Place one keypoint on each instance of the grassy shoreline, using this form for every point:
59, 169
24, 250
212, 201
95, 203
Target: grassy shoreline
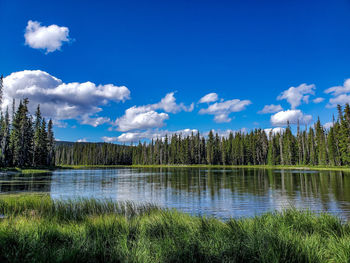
39, 229
82, 167
27, 170
287, 167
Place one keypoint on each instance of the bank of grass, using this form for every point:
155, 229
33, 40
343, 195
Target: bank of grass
38, 229
286, 167
27, 170
82, 167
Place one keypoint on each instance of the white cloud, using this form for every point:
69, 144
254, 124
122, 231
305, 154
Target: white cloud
295, 95
221, 110
109, 139
86, 119
146, 117
276, 130
282, 117
328, 125
49, 38
340, 94
60, 101
318, 100
211, 97
153, 134
60, 124
337, 90
270, 109
168, 104
82, 140
222, 118
340, 99
136, 118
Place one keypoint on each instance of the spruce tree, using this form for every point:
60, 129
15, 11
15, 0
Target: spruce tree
37, 143
5, 140
50, 145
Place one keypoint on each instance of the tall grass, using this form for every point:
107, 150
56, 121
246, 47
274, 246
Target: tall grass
79, 209
38, 229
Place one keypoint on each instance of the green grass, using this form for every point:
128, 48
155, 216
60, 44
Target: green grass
81, 167
38, 229
287, 167
27, 170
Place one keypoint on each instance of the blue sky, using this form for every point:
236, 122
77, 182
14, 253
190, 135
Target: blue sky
250, 53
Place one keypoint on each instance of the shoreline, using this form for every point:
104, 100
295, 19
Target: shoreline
83, 167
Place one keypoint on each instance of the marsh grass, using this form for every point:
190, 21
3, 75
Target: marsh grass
38, 229
78, 209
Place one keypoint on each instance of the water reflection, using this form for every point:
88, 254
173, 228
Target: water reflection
17, 183
215, 192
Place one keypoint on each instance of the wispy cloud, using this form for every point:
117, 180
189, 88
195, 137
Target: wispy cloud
341, 94
270, 109
211, 97
222, 110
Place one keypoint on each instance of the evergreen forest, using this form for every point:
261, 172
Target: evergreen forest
313, 145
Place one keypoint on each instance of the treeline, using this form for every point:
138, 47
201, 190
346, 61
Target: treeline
93, 154
313, 146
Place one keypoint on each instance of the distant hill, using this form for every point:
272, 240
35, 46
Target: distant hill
92, 153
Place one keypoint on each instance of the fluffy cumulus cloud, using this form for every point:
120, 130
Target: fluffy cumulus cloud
270, 109
147, 116
82, 140
296, 95
152, 134
291, 116
168, 104
49, 38
318, 100
222, 110
211, 97
59, 100
341, 94
138, 119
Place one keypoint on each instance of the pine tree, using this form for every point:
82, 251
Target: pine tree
37, 151
320, 144
312, 148
21, 136
5, 140
210, 148
50, 145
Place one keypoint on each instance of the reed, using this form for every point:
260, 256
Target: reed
38, 229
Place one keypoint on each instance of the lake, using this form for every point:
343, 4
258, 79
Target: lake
222, 193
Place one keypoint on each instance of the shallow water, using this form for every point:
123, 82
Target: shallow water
222, 193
